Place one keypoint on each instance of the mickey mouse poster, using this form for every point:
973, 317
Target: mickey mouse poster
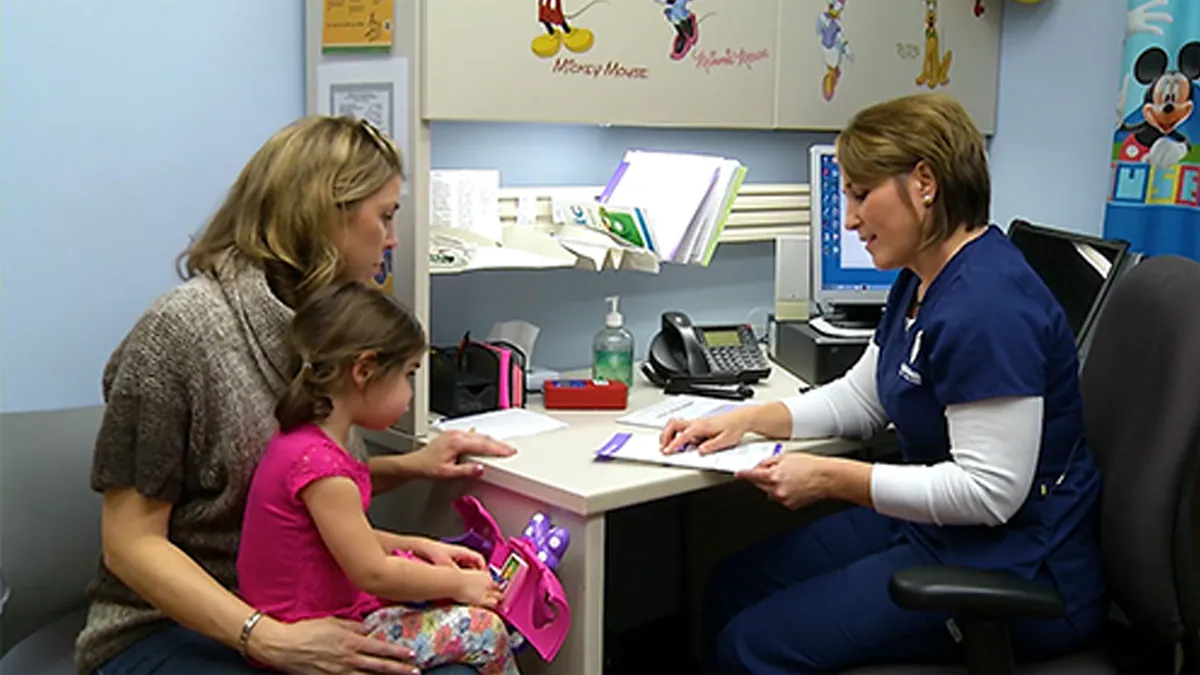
1168, 102
1154, 128
1154, 188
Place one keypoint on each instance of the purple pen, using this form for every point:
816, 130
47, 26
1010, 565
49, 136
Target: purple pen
777, 450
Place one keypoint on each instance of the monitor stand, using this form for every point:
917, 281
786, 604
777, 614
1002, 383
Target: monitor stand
854, 317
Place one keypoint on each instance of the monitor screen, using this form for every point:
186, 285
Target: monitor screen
842, 269
1077, 269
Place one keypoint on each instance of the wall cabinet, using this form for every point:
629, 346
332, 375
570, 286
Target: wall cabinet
751, 64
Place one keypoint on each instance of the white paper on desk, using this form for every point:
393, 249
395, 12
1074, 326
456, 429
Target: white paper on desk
683, 406
643, 447
503, 424
466, 199
370, 87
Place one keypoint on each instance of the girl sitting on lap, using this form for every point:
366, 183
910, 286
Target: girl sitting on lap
307, 549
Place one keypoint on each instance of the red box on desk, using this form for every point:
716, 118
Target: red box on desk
585, 394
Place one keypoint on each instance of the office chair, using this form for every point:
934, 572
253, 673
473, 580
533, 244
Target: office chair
1141, 398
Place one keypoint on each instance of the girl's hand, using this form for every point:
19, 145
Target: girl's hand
711, 434
479, 589
793, 479
440, 458
326, 646
440, 553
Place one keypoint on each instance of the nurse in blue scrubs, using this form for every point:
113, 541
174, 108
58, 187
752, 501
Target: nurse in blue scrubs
975, 365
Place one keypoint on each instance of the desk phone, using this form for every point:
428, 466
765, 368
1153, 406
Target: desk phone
712, 353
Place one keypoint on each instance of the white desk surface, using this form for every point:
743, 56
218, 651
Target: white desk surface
559, 468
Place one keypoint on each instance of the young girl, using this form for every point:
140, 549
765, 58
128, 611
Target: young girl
307, 549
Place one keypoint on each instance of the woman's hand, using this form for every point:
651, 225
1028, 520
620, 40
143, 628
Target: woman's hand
440, 458
711, 434
450, 555
325, 647
794, 479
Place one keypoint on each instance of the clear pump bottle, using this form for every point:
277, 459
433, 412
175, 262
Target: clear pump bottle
612, 348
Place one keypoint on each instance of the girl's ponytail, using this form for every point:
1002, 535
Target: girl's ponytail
302, 403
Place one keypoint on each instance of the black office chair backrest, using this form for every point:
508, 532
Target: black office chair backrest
1141, 398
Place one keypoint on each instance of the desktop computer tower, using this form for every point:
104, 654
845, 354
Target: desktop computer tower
813, 356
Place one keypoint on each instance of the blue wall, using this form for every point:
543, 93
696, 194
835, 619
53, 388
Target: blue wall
123, 124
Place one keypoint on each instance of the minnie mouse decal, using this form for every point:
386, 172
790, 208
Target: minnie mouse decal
1168, 102
687, 29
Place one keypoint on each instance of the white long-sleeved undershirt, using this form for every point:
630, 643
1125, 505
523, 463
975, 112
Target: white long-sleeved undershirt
994, 446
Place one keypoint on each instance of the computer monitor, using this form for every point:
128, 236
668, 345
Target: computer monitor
842, 271
1078, 269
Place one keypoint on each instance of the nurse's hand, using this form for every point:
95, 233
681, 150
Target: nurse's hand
710, 434
792, 479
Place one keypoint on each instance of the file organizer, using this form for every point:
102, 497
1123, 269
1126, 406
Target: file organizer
476, 377
686, 200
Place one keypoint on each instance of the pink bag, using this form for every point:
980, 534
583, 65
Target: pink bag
534, 602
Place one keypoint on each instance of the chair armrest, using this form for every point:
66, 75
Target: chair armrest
973, 591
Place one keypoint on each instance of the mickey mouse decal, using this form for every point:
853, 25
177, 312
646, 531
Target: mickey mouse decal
560, 33
1169, 102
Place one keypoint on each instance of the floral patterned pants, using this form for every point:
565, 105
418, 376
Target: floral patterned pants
441, 634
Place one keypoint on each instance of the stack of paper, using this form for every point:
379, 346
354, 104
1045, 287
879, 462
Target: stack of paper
503, 424
641, 447
676, 203
458, 250
466, 200
682, 406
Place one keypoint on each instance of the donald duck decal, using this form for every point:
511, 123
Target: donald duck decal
834, 47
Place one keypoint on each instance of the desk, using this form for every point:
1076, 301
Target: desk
555, 473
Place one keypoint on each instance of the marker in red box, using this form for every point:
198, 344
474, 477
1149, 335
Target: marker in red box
585, 394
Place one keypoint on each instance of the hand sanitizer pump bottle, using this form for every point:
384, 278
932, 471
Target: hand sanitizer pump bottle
612, 349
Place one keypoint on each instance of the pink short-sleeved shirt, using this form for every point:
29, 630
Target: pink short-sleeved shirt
284, 568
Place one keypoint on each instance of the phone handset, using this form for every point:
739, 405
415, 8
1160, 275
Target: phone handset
680, 325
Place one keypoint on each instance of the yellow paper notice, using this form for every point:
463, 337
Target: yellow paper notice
357, 25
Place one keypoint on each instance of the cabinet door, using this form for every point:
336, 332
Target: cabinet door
837, 56
699, 63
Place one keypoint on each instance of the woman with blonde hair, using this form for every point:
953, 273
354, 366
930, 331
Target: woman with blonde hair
190, 394
975, 365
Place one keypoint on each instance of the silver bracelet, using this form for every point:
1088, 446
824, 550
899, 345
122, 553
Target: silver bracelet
247, 628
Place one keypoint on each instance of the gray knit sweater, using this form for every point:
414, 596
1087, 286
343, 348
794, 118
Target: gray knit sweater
190, 394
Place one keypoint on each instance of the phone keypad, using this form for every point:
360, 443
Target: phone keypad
741, 357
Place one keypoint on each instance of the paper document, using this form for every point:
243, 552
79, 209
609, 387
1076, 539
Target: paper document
683, 406
466, 200
456, 250
503, 424
520, 334
685, 199
822, 325
373, 89
644, 447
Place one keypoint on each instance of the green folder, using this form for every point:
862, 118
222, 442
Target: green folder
734, 188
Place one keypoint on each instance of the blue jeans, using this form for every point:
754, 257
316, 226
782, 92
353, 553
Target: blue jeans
176, 650
815, 600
